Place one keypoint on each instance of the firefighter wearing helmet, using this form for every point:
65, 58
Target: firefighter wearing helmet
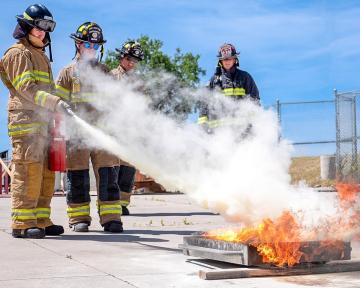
26, 71
129, 55
231, 81
74, 87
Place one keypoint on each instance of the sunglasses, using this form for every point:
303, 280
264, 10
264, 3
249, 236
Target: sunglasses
89, 45
45, 25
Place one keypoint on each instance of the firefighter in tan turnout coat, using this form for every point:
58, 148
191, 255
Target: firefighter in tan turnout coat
129, 55
73, 87
26, 71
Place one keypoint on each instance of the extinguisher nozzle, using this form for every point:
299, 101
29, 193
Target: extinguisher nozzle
65, 108
70, 112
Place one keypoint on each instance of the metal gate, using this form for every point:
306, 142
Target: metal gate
347, 166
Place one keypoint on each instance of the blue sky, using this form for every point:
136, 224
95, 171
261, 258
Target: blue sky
295, 50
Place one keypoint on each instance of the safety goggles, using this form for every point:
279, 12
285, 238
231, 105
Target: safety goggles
45, 25
89, 45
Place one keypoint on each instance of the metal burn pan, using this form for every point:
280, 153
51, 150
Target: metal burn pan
198, 245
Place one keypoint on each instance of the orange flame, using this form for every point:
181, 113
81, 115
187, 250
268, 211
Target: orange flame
278, 241
347, 192
349, 195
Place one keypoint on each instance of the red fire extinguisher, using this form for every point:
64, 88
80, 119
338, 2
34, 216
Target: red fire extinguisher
57, 149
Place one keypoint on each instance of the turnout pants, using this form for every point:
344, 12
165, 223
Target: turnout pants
78, 196
32, 185
126, 182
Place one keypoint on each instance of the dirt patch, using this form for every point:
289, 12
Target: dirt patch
307, 169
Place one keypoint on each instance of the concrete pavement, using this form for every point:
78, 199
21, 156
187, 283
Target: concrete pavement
145, 255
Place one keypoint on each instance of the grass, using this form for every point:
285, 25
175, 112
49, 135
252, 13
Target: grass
307, 169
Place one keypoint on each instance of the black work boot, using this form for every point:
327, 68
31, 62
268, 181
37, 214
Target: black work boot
80, 227
113, 227
125, 211
54, 230
34, 233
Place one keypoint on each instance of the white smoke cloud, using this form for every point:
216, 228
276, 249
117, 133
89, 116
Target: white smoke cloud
244, 180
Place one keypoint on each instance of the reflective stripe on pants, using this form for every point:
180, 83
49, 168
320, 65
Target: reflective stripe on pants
78, 211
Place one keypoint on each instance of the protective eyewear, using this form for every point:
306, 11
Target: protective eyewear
45, 25
89, 45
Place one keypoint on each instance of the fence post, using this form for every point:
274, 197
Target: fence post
354, 142
337, 125
278, 111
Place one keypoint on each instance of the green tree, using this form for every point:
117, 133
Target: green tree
167, 93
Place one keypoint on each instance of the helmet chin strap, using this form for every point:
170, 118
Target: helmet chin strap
101, 52
49, 44
77, 51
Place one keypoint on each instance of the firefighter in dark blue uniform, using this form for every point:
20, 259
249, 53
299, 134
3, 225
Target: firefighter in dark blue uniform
232, 82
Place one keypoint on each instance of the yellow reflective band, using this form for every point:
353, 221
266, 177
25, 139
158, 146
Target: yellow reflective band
62, 92
223, 122
23, 214
82, 27
41, 73
23, 81
42, 76
27, 76
105, 209
42, 212
78, 211
103, 206
107, 212
21, 129
76, 214
27, 16
22, 78
202, 120
81, 101
234, 92
215, 123
124, 203
83, 97
40, 97
239, 92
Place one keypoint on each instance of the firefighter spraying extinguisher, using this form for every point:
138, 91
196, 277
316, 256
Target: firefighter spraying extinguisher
26, 72
57, 149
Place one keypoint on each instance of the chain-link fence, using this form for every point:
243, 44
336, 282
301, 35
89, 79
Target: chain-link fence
346, 136
329, 125
314, 119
